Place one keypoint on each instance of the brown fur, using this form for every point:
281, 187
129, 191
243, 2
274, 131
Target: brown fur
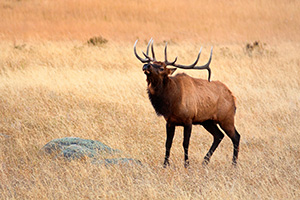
195, 100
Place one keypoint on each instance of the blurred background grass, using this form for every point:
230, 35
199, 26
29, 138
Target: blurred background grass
191, 20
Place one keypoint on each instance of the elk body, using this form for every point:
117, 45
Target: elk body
184, 101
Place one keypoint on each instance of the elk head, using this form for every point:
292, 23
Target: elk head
157, 71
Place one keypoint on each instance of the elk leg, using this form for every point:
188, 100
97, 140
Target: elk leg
235, 138
211, 127
186, 140
170, 136
236, 142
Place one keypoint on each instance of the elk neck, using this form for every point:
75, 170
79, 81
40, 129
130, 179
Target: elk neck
160, 93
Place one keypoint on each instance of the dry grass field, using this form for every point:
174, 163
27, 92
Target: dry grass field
53, 84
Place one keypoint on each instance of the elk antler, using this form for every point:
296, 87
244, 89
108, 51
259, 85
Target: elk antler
148, 58
192, 66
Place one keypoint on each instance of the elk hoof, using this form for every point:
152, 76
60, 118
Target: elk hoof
166, 163
234, 163
205, 162
234, 159
186, 164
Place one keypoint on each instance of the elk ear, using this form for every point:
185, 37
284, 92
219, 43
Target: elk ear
171, 71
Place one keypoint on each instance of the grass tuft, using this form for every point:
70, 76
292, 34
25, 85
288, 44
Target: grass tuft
97, 41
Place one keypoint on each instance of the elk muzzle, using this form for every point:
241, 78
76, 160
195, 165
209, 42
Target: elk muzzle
146, 68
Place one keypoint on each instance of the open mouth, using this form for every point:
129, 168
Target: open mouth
147, 72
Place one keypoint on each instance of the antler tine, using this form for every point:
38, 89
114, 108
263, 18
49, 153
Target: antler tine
148, 57
152, 49
166, 59
206, 66
138, 57
147, 52
192, 66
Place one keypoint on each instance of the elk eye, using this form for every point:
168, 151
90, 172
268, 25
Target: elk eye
161, 69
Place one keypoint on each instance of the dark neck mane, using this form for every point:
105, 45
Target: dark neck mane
160, 99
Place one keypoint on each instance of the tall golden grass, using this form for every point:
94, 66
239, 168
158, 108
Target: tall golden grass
52, 85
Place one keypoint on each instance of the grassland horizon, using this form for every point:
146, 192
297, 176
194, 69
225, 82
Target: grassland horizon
54, 84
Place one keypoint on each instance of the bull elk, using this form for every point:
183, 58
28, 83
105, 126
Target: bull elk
183, 101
